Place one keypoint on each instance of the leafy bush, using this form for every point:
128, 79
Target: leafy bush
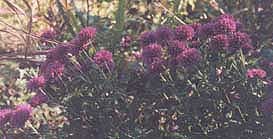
208, 79
190, 81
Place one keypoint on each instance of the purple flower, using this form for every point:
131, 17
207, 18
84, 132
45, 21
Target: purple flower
196, 26
125, 41
104, 60
38, 99
176, 47
184, 32
225, 24
156, 66
219, 43
84, 36
36, 83
151, 51
195, 44
5, 115
20, 115
47, 35
146, 38
256, 73
52, 69
240, 38
59, 52
164, 35
189, 57
206, 30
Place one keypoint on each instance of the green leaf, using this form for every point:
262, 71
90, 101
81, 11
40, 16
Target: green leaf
120, 15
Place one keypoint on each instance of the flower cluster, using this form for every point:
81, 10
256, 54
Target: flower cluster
169, 47
59, 52
164, 34
176, 47
146, 38
36, 83
225, 24
17, 116
206, 30
189, 57
5, 115
20, 115
157, 65
150, 52
240, 40
52, 69
224, 33
184, 32
84, 36
104, 60
161, 35
219, 43
161, 49
256, 73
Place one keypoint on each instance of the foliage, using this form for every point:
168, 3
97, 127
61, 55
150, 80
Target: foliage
211, 99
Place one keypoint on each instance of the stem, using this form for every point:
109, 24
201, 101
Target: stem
167, 10
241, 114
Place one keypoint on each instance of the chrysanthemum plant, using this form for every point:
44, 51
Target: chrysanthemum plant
190, 81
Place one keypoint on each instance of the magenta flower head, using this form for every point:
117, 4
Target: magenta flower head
52, 69
184, 32
48, 35
36, 83
239, 38
20, 115
225, 24
195, 43
176, 47
164, 34
38, 99
59, 52
206, 30
146, 38
219, 43
156, 66
104, 60
256, 73
196, 26
189, 57
5, 115
84, 36
151, 51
